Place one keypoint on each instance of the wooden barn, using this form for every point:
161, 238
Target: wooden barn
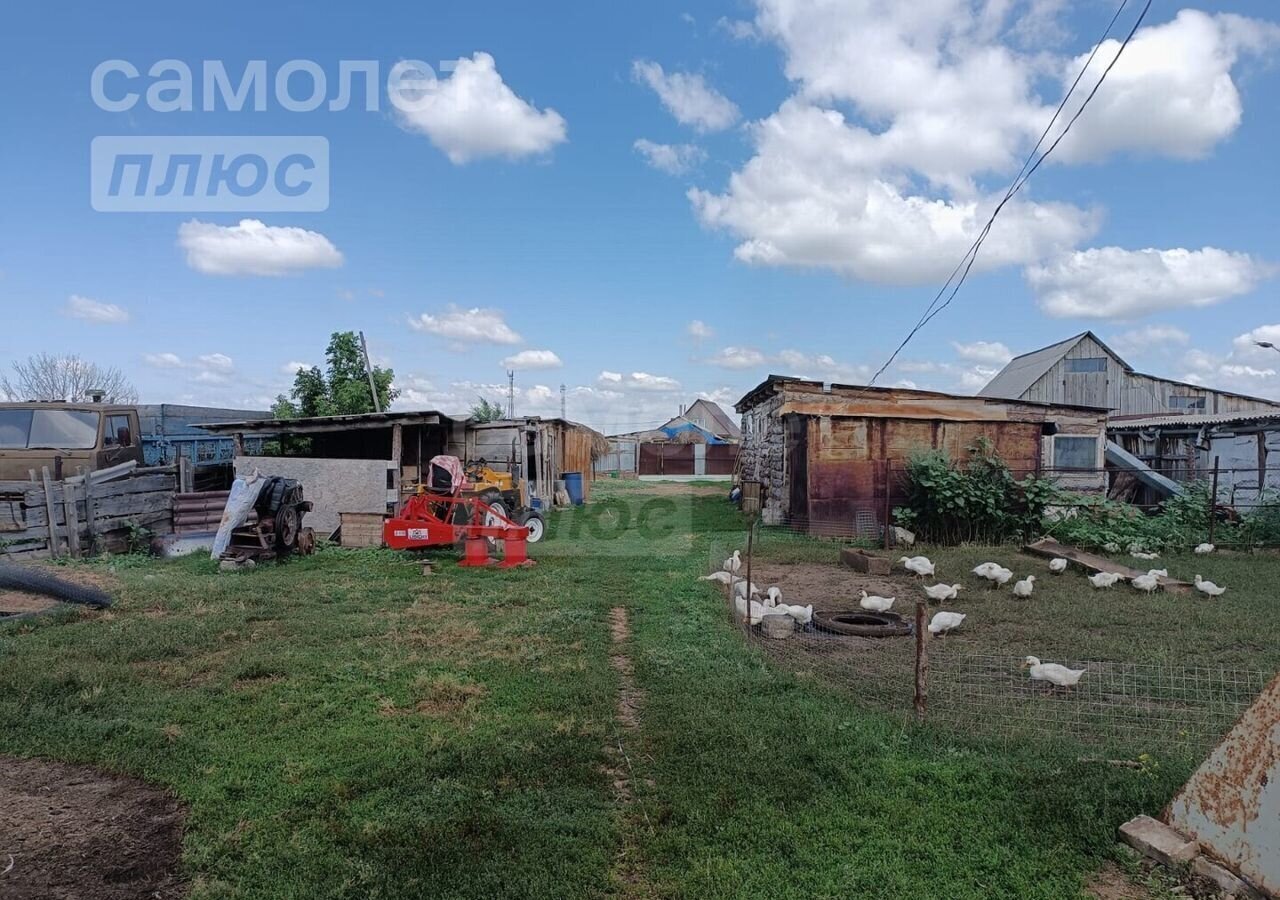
824, 456
1083, 370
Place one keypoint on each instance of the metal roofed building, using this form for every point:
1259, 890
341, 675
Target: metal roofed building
1083, 370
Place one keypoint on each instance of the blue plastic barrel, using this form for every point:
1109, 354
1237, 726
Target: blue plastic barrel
573, 486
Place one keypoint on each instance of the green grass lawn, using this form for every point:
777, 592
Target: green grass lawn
341, 726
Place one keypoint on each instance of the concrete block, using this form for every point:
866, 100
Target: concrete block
1158, 841
862, 561
1226, 882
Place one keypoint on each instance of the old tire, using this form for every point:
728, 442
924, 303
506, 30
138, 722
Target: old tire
21, 578
862, 623
532, 520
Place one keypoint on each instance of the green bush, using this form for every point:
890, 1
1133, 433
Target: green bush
979, 501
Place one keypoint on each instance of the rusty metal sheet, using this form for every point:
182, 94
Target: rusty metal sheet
1231, 804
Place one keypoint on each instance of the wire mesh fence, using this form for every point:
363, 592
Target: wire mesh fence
1129, 709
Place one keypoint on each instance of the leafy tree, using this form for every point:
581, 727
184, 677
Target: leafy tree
488, 410
342, 389
48, 377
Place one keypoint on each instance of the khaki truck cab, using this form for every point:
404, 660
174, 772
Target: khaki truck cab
65, 437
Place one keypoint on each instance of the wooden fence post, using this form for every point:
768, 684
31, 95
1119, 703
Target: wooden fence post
1213, 500
51, 511
888, 504
73, 521
921, 700
90, 522
751, 539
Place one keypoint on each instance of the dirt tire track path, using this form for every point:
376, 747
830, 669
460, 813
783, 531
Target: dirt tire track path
627, 874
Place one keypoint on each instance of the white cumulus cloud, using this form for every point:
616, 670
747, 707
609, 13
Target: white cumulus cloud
674, 159
1171, 93
737, 358
905, 118
253, 248
688, 97
163, 360
1114, 283
699, 330
96, 311
292, 366
989, 352
467, 326
473, 114
533, 359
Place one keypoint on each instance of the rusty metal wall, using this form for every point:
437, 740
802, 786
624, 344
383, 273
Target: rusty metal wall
852, 462
1231, 805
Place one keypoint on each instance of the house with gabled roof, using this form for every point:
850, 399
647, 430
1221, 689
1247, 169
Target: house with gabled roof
1084, 371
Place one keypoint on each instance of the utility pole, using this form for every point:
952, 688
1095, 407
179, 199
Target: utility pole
562, 415
511, 393
368, 370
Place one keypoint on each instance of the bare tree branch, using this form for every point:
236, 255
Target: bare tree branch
48, 377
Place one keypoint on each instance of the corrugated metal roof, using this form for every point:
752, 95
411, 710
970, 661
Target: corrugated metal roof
1014, 379
353, 422
1192, 421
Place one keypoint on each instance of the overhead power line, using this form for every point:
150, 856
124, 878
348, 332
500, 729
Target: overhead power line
1024, 174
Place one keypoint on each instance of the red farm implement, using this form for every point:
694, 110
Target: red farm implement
443, 520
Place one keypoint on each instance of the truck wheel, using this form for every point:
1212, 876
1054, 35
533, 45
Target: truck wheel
533, 521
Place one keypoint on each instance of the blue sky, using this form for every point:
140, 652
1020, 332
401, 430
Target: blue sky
816, 170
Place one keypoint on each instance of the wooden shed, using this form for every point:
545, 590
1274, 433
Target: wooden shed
825, 456
542, 450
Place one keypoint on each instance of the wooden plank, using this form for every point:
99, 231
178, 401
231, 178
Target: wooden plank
48, 508
100, 475
1090, 562
90, 516
73, 523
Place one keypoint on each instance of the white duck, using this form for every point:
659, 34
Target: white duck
1209, 588
1111, 547
1140, 554
943, 591
903, 537
773, 597
757, 610
1057, 565
734, 563
1104, 579
1052, 672
1024, 587
1001, 577
1205, 548
1147, 583
985, 570
802, 614
1161, 573
741, 588
943, 622
718, 577
918, 564
876, 604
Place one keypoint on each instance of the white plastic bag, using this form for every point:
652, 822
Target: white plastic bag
244, 494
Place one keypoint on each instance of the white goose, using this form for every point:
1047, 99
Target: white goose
1024, 587
1205, 548
1161, 573
1052, 672
1057, 565
943, 622
876, 604
1209, 588
773, 597
920, 565
734, 563
986, 569
1147, 583
740, 588
719, 577
1000, 577
942, 592
1105, 579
